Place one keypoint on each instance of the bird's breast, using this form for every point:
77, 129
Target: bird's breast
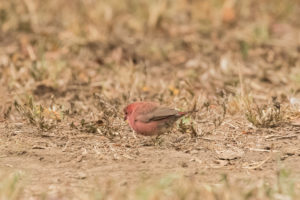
145, 128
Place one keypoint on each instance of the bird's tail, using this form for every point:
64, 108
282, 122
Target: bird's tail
187, 112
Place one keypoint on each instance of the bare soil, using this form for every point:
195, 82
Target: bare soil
63, 165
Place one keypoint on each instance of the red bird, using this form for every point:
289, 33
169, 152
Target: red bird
149, 118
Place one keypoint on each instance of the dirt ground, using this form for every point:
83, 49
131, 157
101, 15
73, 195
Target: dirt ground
63, 165
66, 77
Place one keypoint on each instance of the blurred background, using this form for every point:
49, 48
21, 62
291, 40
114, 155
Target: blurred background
138, 48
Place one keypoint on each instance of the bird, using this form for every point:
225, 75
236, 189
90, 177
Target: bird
150, 118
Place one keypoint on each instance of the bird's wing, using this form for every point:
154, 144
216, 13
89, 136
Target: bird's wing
159, 113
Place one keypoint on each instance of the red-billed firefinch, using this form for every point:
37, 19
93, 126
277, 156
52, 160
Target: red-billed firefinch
149, 118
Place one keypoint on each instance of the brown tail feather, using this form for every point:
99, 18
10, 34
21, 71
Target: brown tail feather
188, 112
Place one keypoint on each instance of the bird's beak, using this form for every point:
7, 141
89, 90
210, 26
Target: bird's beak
125, 117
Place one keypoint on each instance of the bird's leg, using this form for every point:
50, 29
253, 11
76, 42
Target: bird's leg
133, 134
157, 140
148, 142
153, 141
157, 137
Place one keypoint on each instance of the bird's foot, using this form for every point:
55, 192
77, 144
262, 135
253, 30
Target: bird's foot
158, 140
134, 135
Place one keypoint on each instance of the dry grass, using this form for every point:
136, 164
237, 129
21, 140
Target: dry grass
174, 187
10, 186
267, 116
67, 69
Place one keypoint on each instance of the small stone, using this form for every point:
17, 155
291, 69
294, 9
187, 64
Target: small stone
290, 151
81, 175
124, 183
184, 165
79, 158
229, 154
38, 147
194, 152
284, 157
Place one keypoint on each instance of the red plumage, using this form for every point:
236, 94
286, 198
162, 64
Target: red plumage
149, 118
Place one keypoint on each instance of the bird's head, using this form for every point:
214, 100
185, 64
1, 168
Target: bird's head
128, 110
138, 106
